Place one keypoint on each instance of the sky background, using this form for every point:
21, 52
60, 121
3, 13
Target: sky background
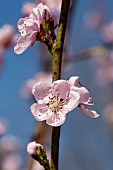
85, 143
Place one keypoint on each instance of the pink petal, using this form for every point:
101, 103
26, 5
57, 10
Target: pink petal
83, 92
31, 147
89, 112
40, 114
58, 82
27, 39
62, 87
24, 42
19, 50
20, 22
40, 90
73, 101
73, 81
36, 14
42, 8
30, 22
56, 119
32, 26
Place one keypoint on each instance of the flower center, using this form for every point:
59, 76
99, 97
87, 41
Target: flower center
55, 106
22, 30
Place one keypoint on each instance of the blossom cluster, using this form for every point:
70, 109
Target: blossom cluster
55, 100
38, 26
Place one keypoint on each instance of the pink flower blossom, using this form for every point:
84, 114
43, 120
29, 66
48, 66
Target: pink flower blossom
31, 27
53, 102
57, 99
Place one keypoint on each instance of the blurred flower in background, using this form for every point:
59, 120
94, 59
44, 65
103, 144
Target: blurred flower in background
10, 147
7, 37
55, 6
104, 69
7, 40
12, 162
27, 8
92, 19
108, 114
107, 32
3, 126
26, 90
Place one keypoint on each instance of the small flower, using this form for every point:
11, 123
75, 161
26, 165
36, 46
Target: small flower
39, 26
53, 102
37, 151
31, 149
56, 100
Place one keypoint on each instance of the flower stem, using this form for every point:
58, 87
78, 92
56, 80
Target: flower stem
56, 74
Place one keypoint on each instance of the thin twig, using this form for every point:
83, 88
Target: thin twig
96, 51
